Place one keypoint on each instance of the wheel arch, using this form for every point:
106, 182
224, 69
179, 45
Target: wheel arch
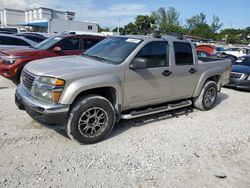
203, 80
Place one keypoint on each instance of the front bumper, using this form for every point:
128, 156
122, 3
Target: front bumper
8, 71
52, 115
239, 84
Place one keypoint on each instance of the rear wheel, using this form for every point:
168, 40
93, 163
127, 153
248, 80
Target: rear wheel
207, 97
91, 119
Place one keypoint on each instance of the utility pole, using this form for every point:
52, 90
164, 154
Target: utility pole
118, 30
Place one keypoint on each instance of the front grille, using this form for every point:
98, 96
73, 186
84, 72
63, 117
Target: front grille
236, 75
27, 79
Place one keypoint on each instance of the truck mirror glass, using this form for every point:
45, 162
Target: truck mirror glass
139, 63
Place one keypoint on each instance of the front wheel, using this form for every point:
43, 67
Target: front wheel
91, 119
207, 98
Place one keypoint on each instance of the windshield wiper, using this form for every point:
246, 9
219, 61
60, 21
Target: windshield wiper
98, 58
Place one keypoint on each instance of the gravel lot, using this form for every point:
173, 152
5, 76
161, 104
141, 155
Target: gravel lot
186, 148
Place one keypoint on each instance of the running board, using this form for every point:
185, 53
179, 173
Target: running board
155, 110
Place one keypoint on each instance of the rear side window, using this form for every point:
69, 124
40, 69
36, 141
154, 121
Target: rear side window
183, 54
35, 39
246, 61
69, 44
156, 53
12, 41
88, 43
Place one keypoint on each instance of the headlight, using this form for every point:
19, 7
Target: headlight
47, 88
11, 59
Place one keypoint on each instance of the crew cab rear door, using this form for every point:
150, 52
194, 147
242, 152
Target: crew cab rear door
152, 84
185, 70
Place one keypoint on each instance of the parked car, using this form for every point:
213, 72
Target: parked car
240, 75
32, 36
237, 51
10, 30
207, 48
12, 41
68, 32
219, 49
122, 77
13, 61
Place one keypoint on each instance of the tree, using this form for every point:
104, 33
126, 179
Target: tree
121, 29
130, 29
195, 21
203, 30
144, 23
160, 18
100, 29
173, 16
168, 21
216, 24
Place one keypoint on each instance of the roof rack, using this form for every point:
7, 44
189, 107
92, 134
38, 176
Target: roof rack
177, 35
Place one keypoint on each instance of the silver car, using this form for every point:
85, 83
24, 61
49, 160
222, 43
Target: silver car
11, 41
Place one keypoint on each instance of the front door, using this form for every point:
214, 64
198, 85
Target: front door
150, 85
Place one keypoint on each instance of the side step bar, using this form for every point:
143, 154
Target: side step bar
155, 110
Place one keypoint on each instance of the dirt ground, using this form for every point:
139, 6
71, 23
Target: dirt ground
185, 148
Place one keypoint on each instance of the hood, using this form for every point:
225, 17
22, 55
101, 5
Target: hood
241, 69
21, 51
68, 67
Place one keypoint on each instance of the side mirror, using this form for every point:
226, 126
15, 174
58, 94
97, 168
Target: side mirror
139, 63
57, 49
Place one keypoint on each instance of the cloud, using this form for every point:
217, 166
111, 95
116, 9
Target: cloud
87, 10
110, 16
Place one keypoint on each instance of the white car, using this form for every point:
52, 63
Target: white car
237, 51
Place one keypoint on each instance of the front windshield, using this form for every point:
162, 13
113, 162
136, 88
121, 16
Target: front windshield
113, 50
48, 43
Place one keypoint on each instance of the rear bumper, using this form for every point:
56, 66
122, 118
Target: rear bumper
239, 84
51, 115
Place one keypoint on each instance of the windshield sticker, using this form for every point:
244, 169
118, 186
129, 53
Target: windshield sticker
133, 40
57, 38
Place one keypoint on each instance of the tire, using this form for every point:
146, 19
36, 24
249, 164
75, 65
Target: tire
205, 101
91, 119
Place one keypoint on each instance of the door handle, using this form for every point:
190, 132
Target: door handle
192, 70
166, 73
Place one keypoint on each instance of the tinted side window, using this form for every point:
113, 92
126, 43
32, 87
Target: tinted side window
183, 53
12, 41
35, 39
156, 53
246, 61
69, 44
88, 43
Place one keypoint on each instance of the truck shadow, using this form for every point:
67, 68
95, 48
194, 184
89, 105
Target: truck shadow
125, 125
3, 87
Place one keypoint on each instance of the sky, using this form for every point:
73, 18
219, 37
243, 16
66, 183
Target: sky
233, 13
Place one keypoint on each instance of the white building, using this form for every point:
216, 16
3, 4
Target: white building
11, 17
44, 20
42, 13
